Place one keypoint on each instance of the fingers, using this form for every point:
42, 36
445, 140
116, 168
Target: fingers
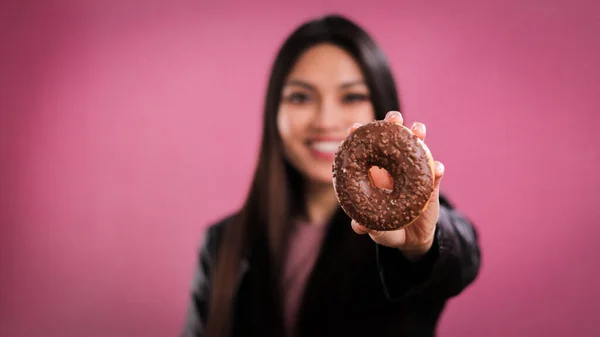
439, 169
386, 238
353, 127
394, 117
361, 230
381, 178
358, 228
439, 173
419, 130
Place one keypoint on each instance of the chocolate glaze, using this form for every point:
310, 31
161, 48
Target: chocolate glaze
396, 149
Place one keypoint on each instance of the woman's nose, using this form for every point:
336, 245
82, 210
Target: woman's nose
327, 115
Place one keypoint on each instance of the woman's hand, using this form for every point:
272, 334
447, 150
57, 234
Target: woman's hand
415, 240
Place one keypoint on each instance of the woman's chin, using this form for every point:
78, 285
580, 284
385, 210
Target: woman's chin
322, 178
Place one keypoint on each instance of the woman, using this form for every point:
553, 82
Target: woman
290, 262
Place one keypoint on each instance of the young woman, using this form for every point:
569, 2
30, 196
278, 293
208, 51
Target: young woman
290, 262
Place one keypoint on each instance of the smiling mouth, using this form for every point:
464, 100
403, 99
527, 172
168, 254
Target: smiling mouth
324, 150
326, 147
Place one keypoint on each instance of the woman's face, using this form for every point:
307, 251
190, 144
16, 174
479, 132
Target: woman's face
324, 94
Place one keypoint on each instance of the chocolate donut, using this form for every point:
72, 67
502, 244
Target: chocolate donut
407, 159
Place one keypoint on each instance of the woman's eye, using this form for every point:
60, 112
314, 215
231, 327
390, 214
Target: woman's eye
297, 98
352, 98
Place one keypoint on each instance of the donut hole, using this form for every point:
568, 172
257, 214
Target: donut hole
381, 179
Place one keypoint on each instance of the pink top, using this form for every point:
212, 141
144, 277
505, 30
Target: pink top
305, 244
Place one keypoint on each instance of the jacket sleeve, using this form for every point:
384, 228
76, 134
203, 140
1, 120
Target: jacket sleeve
195, 320
449, 267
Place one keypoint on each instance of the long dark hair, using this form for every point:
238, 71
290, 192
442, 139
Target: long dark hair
260, 228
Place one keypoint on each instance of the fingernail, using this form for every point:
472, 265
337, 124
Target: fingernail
354, 126
393, 114
418, 126
439, 167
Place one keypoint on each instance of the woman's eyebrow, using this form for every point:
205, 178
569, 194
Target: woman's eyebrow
352, 83
301, 83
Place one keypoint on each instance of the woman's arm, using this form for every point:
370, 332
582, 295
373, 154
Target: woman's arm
450, 266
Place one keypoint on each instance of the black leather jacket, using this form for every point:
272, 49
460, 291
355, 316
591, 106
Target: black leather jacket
358, 288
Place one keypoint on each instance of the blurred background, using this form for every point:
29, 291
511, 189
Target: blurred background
126, 127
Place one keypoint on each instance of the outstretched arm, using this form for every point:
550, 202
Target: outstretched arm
437, 255
451, 264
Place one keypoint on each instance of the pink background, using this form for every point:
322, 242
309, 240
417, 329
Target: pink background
127, 126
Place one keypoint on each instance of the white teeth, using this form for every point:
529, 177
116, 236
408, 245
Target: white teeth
326, 147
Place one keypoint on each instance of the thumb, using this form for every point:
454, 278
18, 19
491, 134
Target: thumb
381, 178
440, 169
394, 238
380, 237
385, 238
439, 174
